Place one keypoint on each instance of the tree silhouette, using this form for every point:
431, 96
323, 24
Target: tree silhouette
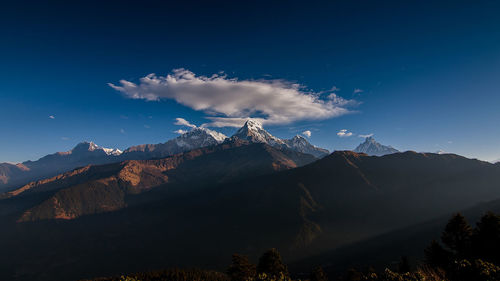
404, 265
270, 263
457, 235
437, 256
486, 240
241, 268
318, 274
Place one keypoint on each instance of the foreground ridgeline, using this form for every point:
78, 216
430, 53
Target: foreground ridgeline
467, 255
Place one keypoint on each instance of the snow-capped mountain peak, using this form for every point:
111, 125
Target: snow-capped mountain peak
254, 132
91, 146
219, 137
112, 151
372, 147
199, 137
300, 144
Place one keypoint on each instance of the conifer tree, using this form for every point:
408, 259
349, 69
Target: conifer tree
486, 240
457, 236
437, 256
404, 265
241, 268
270, 263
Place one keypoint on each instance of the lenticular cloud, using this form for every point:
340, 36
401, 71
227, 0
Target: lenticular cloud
229, 101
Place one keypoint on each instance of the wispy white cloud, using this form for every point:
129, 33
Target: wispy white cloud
52, 117
230, 101
147, 126
122, 131
344, 133
180, 131
183, 122
307, 133
365, 136
64, 138
357, 91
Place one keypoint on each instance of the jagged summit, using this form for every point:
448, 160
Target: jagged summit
195, 138
86, 146
219, 137
373, 148
199, 137
253, 131
300, 144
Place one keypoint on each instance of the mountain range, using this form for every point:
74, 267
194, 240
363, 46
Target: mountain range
237, 196
88, 153
82, 154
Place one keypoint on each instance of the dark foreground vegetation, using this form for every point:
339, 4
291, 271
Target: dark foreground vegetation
463, 254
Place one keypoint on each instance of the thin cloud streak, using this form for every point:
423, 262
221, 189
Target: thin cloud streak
183, 122
365, 136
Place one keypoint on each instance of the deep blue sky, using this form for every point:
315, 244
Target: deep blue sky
429, 70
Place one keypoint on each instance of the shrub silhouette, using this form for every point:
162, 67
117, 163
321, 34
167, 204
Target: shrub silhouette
318, 274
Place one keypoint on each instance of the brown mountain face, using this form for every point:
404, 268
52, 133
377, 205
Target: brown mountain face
97, 189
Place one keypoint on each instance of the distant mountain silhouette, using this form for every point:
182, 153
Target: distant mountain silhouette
371, 147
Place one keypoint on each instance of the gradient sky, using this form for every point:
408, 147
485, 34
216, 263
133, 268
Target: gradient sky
427, 73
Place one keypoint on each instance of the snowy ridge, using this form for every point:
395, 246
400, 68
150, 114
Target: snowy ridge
199, 137
91, 146
300, 144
